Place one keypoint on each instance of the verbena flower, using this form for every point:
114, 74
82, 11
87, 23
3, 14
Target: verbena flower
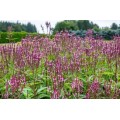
77, 85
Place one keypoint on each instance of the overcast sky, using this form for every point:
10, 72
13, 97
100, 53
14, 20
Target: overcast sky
38, 23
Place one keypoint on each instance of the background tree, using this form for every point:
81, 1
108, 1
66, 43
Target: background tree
114, 26
17, 27
65, 25
75, 25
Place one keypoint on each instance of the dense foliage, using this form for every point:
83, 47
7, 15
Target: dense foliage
75, 25
64, 67
17, 27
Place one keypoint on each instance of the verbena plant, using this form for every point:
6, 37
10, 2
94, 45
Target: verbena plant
65, 67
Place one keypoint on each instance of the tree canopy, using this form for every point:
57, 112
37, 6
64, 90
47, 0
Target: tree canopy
75, 25
114, 26
17, 27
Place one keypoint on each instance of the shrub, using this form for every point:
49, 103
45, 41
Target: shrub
106, 34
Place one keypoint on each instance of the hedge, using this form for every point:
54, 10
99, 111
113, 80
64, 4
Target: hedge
6, 37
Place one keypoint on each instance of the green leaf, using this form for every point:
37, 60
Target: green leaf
41, 89
43, 96
82, 96
68, 87
108, 75
118, 84
28, 92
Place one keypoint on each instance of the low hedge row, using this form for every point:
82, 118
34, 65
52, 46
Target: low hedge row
6, 37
